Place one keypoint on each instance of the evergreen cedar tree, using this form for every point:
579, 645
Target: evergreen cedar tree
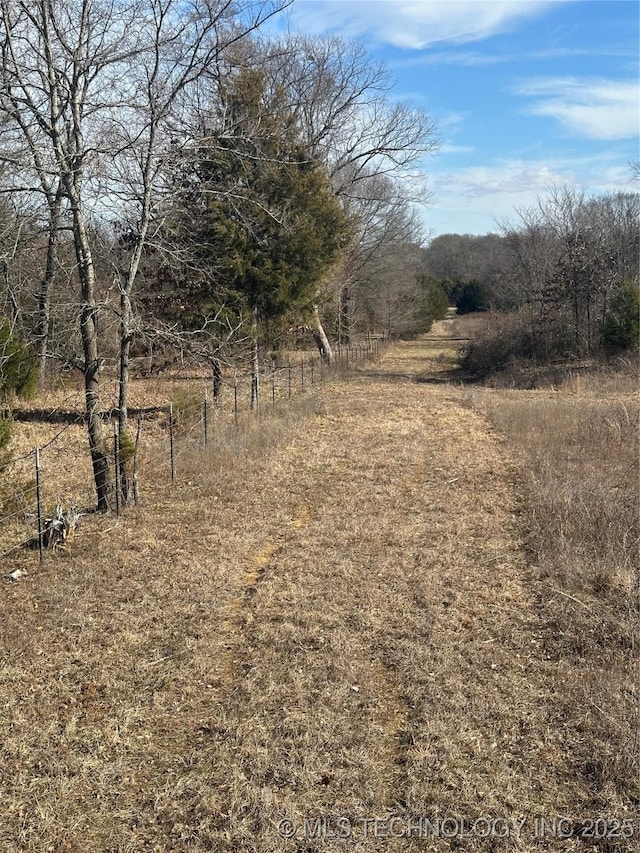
259, 218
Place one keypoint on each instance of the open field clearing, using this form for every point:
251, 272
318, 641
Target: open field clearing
372, 607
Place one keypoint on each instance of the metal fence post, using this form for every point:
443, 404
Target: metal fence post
116, 466
205, 418
39, 506
171, 449
135, 462
235, 398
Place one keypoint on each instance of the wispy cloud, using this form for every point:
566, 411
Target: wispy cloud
416, 24
447, 148
476, 59
595, 108
506, 178
475, 199
466, 58
451, 121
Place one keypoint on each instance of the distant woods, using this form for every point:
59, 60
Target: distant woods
561, 281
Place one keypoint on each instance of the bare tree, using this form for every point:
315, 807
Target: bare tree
94, 87
180, 55
12, 231
378, 288
593, 240
26, 176
55, 61
373, 147
342, 102
573, 251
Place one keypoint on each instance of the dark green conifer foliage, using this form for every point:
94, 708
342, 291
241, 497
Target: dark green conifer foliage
18, 376
260, 217
621, 328
18, 373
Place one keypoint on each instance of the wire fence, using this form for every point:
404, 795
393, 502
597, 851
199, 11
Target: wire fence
45, 491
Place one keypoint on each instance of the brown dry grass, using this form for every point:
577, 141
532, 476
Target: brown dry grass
578, 445
66, 474
329, 616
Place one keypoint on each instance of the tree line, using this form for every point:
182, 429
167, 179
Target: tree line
173, 178
565, 274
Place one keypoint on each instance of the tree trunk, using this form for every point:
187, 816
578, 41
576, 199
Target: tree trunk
321, 339
344, 315
217, 379
123, 365
126, 486
44, 297
576, 315
99, 457
89, 333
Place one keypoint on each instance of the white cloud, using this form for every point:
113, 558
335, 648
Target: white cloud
450, 148
477, 59
596, 108
507, 178
460, 58
475, 199
415, 24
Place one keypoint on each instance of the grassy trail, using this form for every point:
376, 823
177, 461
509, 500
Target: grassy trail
389, 660
345, 629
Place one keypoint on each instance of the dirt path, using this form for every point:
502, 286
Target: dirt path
346, 634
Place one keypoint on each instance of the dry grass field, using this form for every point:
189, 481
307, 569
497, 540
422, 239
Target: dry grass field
396, 606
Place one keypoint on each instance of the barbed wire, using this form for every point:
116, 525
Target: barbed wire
278, 383
5, 465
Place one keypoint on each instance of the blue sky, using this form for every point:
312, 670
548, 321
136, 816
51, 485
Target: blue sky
525, 94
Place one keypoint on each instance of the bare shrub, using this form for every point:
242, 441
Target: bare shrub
512, 338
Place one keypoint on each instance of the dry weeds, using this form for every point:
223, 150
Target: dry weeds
579, 451
331, 616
